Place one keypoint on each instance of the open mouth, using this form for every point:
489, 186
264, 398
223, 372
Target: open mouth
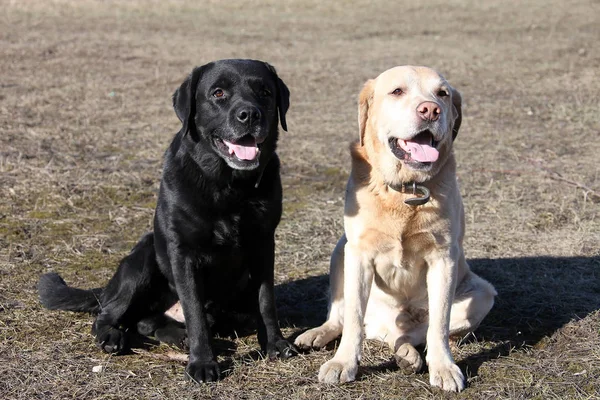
421, 149
245, 149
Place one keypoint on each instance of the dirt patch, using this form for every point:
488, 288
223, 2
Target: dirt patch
85, 116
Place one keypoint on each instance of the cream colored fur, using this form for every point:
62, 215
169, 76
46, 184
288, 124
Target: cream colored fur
399, 273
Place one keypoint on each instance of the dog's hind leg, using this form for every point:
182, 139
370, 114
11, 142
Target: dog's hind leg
403, 345
332, 328
473, 300
137, 290
164, 329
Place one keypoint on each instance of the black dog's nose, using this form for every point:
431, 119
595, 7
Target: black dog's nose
248, 115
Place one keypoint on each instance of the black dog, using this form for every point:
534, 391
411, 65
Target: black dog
218, 207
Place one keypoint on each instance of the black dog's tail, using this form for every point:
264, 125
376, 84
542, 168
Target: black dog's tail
55, 294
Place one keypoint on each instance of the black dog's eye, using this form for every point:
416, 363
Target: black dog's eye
443, 93
218, 93
265, 92
397, 92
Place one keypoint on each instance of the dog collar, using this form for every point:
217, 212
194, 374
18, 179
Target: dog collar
412, 187
259, 178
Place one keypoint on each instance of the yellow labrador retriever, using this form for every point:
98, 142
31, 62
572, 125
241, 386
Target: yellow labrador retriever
399, 273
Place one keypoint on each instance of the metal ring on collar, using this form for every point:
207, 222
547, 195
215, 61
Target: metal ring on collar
418, 201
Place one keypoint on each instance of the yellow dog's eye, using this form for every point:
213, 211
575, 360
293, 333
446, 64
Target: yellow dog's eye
443, 93
398, 92
218, 93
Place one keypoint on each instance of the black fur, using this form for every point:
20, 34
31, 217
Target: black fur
214, 227
56, 295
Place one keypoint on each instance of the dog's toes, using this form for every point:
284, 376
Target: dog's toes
306, 340
111, 340
281, 349
447, 377
407, 357
315, 338
203, 372
334, 371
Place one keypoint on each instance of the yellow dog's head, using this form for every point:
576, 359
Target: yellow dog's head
408, 118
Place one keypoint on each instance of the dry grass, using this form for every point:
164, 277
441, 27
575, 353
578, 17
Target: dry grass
85, 116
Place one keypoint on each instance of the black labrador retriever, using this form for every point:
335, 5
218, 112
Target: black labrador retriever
218, 207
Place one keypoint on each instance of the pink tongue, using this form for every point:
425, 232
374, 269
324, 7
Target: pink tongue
245, 151
422, 152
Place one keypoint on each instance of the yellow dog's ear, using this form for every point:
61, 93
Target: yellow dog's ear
457, 108
364, 102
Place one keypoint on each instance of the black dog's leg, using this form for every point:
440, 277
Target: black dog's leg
202, 366
136, 290
164, 329
262, 274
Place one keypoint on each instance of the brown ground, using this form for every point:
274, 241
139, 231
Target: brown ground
85, 115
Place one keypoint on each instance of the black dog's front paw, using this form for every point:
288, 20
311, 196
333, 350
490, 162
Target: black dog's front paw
281, 348
111, 339
203, 372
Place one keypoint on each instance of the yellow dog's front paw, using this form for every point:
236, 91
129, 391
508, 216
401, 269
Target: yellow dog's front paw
447, 377
334, 371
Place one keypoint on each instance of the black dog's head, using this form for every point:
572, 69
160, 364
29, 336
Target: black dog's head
232, 108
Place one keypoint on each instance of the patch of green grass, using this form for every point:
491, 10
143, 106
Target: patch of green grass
38, 214
117, 196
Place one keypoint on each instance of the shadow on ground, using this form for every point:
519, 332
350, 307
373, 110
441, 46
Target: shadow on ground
536, 297
302, 303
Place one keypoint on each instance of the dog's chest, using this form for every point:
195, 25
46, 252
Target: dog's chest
226, 230
399, 258
235, 229
400, 267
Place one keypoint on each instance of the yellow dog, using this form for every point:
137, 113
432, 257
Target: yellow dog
399, 273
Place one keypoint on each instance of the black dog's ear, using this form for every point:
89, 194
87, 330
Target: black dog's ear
457, 106
184, 100
283, 97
